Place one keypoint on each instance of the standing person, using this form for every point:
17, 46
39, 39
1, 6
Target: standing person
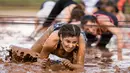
44, 11
109, 6
121, 9
62, 5
121, 5
41, 15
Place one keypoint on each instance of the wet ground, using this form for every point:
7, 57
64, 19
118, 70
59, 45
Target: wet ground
15, 34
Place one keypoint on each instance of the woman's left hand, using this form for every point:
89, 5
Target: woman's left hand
67, 63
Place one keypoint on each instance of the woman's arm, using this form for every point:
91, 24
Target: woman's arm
49, 45
80, 54
81, 51
37, 46
104, 20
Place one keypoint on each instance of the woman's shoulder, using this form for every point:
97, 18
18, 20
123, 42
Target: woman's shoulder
55, 33
52, 40
58, 25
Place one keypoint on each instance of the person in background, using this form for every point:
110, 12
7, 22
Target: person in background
89, 6
121, 9
112, 8
65, 6
121, 19
108, 25
44, 11
99, 29
41, 15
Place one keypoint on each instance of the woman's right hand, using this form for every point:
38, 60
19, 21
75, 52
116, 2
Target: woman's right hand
44, 62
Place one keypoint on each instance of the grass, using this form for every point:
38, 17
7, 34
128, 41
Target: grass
32, 5
20, 7
22, 4
127, 8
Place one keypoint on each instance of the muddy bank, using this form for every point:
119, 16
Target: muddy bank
96, 61
36, 67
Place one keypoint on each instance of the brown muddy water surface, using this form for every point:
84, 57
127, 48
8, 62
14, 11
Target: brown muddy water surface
11, 34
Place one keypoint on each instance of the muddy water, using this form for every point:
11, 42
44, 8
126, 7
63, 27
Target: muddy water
14, 34
92, 65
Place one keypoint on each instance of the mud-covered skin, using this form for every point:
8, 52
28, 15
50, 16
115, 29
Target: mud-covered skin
23, 55
19, 55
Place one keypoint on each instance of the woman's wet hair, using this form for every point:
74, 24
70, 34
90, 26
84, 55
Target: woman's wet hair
87, 18
69, 30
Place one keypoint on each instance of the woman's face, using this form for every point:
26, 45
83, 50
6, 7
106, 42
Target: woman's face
90, 27
69, 43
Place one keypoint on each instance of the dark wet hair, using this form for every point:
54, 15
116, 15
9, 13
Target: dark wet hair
116, 9
87, 18
69, 30
104, 5
77, 13
110, 3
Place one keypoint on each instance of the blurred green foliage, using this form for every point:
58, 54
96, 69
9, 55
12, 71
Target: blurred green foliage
20, 2
33, 4
127, 8
23, 3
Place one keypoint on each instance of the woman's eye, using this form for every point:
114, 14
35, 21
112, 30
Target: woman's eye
75, 42
68, 41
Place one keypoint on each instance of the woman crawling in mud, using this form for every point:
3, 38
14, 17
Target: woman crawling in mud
95, 32
98, 28
67, 43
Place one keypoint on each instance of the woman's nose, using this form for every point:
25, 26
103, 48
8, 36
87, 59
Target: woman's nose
71, 45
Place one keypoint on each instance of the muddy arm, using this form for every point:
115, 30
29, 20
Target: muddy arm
37, 46
49, 45
80, 54
114, 30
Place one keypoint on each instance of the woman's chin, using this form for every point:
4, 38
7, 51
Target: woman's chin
67, 50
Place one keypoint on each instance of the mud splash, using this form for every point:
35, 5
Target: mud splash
94, 63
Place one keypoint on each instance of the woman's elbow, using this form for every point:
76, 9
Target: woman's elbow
78, 67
